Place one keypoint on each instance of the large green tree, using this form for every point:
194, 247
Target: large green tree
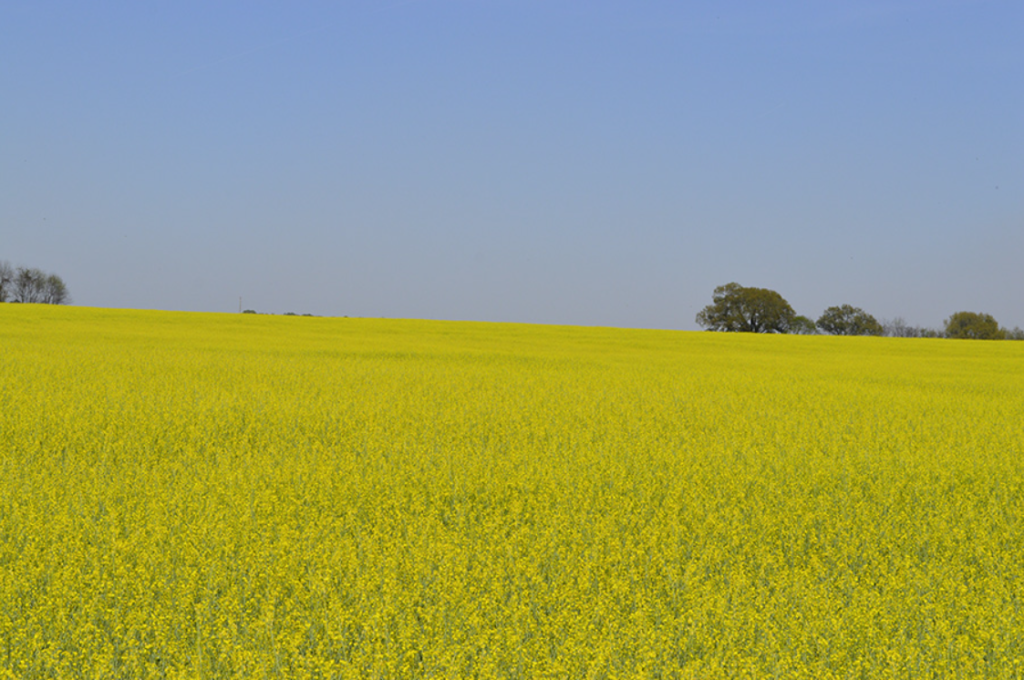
848, 320
737, 308
974, 326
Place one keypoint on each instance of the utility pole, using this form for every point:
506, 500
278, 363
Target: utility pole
239, 304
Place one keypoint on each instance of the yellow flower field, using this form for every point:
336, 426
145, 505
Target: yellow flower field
212, 496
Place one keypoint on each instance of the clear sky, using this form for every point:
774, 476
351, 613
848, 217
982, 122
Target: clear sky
544, 161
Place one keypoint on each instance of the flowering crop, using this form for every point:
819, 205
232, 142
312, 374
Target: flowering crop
202, 496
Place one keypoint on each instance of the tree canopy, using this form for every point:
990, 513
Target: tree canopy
737, 308
971, 325
801, 325
848, 320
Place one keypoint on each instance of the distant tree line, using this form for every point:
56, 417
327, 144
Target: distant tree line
30, 285
253, 311
742, 309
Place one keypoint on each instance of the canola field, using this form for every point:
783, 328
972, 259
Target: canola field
241, 496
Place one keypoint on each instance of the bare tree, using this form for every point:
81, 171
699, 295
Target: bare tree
6, 280
55, 292
28, 285
31, 285
898, 328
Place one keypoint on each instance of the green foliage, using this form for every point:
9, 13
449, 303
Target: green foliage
801, 325
974, 326
848, 320
736, 308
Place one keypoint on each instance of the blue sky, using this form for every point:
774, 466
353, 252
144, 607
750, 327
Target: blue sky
556, 161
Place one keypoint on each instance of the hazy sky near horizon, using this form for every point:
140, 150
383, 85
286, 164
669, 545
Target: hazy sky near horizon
556, 161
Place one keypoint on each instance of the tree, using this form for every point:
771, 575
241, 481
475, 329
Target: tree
28, 285
848, 320
31, 285
55, 292
736, 308
974, 326
801, 325
6, 280
898, 328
